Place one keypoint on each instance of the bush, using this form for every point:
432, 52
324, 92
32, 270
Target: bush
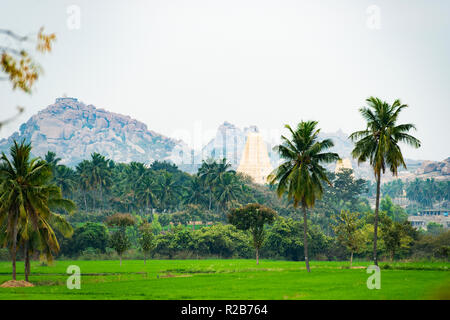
89, 235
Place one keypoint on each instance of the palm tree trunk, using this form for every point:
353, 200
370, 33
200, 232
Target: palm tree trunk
305, 238
351, 259
101, 197
145, 260
14, 248
27, 260
210, 198
375, 224
85, 201
120, 258
257, 255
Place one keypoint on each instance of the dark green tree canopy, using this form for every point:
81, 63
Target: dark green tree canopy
251, 216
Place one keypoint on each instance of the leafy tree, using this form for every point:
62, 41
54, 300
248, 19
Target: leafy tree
346, 187
434, 228
395, 237
378, 144
146, 239
253, 217
87, 235
301, 174
395, 212
119, 239
348, 231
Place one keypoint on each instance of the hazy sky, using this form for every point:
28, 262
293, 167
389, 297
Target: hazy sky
184, 67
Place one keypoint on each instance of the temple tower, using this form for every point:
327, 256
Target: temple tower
255, 160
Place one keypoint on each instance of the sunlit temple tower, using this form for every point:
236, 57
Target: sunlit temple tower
343, 164
255, 160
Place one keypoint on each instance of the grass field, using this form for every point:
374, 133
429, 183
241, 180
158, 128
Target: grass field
229, 279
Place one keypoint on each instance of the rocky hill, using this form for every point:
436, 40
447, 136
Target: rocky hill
74, 130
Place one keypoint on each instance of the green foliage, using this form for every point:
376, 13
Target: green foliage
87, 235
435, 228
378, 144
395, 212
301, 175
27, 203
349, 232
121, 220
119, 242
146, 239
396, 236
426, 192
432, 246
253, 217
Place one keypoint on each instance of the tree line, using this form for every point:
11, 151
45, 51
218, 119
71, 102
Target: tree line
36, 193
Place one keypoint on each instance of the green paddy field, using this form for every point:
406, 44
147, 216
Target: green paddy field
230, 279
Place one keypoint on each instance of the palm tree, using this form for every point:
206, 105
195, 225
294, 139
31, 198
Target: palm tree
146, 190
378, 144
169, 189
228, 190
301, 174
26, 199
196, 191
207, 173
100, 173
52, 160
211, 174
222, 169
65, 178
84, 179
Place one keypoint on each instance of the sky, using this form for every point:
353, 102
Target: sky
185, 67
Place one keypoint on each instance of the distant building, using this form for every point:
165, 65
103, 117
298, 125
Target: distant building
343, 164
424, 217
255, 160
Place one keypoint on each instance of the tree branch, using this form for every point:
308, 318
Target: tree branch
14, 35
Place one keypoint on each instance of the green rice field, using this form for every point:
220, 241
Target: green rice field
229, 279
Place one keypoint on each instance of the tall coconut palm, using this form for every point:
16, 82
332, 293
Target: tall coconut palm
65, 178
207, 173
52, 161
378, 144
228, 190
100, 173
146, 191
43, 239
301, 174
26, 197
169, 189
196, 192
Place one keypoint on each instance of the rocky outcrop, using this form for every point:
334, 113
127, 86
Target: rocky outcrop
74, 130
435, 167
